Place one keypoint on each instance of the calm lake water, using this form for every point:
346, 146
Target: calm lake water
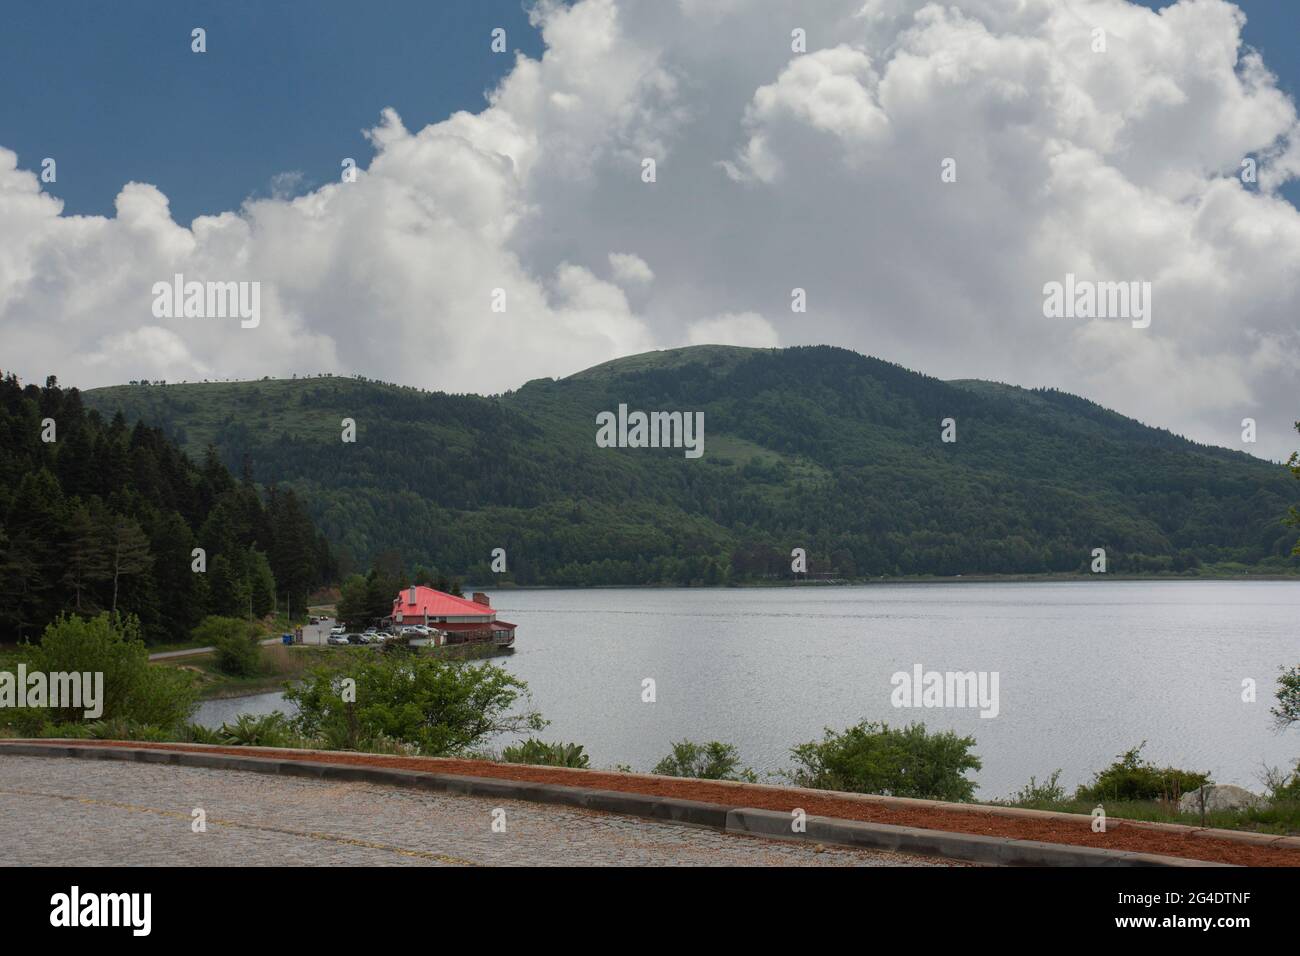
1086, 670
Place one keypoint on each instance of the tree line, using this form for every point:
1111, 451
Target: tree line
98, 516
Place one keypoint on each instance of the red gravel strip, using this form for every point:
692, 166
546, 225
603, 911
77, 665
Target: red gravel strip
1167, 842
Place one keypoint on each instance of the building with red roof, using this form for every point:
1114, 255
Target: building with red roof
461, 621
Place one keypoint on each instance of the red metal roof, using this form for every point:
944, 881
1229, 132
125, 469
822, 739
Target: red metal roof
438, 604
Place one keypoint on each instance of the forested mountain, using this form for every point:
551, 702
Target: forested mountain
818, 447
98, 515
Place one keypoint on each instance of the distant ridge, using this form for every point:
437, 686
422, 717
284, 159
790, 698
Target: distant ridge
814, 447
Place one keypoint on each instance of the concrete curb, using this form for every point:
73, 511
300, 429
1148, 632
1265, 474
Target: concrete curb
750, 821
970, 847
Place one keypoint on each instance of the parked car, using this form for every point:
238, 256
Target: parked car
337, 630
357, 639
339, 638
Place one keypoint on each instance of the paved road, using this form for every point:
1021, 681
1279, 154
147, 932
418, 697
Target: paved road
191, 651
311, 634
61, 811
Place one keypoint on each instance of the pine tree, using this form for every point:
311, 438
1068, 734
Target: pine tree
182, 591
261, 583
86, 562
127, 551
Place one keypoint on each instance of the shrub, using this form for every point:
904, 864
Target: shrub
268, 730
1033, 794
441, 707
238, 653
712, 761
198, 734
1132, 778
901, 762
28, 721
115, 728
534, 751
1281, 785
119, 728
1287, 711
133, 690
56, 731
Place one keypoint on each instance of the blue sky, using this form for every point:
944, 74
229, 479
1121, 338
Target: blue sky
113, 92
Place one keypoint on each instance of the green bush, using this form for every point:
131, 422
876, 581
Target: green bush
1283, 787
268, 730
133, 691
198, 734
119, 728
116, 728
1034, 795
712, 761
28, 721
238, 652
1132, 778
901, 762
1287, 711
442, 707
59, 731
534, 751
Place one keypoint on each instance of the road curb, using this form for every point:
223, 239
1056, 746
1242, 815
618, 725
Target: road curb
749, 821
969, 847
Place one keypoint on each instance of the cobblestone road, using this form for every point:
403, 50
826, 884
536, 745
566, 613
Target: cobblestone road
60, 811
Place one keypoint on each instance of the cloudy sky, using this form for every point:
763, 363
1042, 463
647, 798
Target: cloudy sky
774, 170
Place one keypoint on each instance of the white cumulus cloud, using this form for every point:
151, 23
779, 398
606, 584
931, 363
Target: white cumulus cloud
746, 328
775, 171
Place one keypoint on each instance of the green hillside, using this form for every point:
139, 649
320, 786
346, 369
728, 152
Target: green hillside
818, 447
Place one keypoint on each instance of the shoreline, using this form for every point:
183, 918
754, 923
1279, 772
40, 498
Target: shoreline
864, 582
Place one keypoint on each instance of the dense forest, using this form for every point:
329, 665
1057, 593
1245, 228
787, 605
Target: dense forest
98, 515
817, 448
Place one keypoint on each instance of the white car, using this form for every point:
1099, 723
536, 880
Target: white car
337, 630
339, 638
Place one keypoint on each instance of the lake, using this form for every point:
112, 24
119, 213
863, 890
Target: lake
1086, 670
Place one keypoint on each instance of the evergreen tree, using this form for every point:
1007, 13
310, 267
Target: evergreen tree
107, 516
126, 551
86, 563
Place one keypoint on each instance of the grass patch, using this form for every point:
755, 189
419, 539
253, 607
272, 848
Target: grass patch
279, 664
1281, 817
